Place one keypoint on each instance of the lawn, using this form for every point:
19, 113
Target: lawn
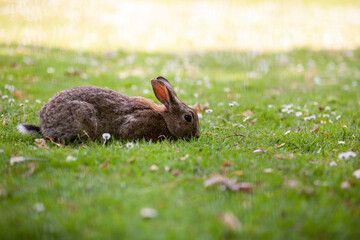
278, 120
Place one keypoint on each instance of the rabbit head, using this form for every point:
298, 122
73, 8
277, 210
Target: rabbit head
181, 120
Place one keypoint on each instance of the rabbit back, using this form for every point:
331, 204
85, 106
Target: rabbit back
91, 111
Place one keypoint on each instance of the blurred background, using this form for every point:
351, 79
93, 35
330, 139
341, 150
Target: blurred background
181, 26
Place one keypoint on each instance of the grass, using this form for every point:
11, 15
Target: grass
301, 197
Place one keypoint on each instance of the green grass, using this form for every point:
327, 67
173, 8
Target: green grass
82, 200
302, 196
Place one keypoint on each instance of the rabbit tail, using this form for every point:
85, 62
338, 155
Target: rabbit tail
28, 129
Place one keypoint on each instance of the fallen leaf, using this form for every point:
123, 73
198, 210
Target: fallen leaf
230, 221
248, 114
148, 213
238, 173
253, 121
185, 157
176, 172
201, 108
4, 121
291, 183
18, 94
23, 159
154, 168
268, 170
260, 150
227, 164
279, 146
32, 167
73, 72
14, 65
40, 143
52, 141
284, 157
234, 135
229, 184
345, 184
105, 163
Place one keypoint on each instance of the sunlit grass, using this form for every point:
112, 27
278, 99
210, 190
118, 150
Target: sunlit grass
182, 25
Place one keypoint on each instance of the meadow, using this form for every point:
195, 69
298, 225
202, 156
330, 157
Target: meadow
278, 156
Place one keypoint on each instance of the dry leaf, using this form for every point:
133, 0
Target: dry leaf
32, 167
23, 159
260, 150
230, 221
229, 183
247, 114
238, 173
201, 108
105, 163
279, 146
176, 172
227, 164
184, 158
253, 121
291, 183
148, 213
284, 157
40, 143
18, 94
345, 184
154, 168
52, 141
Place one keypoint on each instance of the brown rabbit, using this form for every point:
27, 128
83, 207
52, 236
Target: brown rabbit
91, 111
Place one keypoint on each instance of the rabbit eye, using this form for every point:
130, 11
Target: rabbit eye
187, 118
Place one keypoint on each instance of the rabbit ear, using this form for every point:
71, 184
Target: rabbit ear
164, 92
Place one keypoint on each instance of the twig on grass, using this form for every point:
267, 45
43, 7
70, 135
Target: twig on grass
233, 135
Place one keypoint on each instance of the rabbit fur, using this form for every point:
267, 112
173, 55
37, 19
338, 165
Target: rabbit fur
89, 111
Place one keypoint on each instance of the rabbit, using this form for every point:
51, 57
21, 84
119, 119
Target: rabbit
89, 111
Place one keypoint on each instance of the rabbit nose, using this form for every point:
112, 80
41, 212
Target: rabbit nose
197, 135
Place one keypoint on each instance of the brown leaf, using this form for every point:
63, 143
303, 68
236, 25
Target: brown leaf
260, 150
227, 164
40, 142
14, 65
201, 108
73, 72
291, 183
229, 184
52, 141
18, 94
32, 167
230, 221
176, 172
284, 157
253, 121
248, 114
105, 163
